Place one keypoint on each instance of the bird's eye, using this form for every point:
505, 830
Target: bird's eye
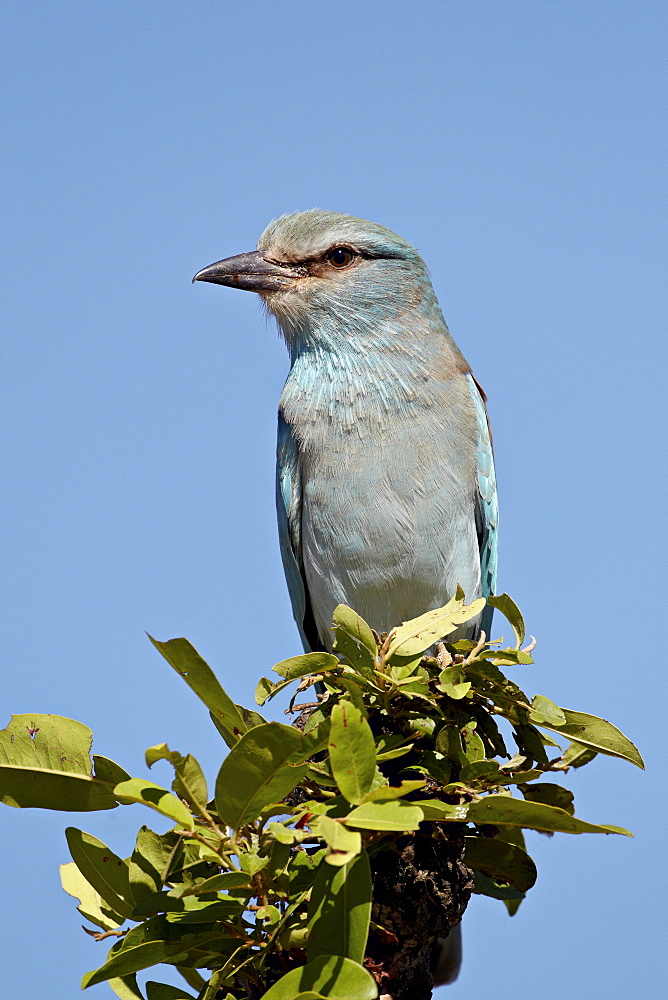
340, 257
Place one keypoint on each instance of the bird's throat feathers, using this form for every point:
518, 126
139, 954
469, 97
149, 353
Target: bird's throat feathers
365, 367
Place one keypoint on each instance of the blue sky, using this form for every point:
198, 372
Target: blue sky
519, 145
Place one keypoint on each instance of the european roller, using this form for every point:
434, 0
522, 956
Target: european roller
386, 491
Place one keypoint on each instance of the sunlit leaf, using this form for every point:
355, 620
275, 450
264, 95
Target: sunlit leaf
397, 815
189, 783
385, 793
199, 676
576, 755
352, 751
150, 861
45, 763
149, 794
545, 712
91, 905
435, 810
452, 682
335, 977
597, 734
227, 880
343, 844
354, 640
257, 771
307, 663
126, 988
413, 637
509, 610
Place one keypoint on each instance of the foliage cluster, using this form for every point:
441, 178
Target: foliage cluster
268, 883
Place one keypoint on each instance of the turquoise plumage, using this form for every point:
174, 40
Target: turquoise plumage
385, 487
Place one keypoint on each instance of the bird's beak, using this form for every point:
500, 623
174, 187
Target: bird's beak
252, 272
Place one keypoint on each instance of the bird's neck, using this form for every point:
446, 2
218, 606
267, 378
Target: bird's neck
360, 371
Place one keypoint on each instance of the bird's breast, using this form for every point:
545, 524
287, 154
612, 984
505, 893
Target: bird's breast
387, 474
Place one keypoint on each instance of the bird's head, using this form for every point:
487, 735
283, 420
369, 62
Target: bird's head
326, 271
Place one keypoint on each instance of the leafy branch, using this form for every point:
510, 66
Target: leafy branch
275, 884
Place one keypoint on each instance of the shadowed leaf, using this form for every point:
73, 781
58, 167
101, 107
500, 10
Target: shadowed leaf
500, 810
500, 861
340, 910
102, 869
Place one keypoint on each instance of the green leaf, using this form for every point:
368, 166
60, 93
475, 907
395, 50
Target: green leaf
576, 755
354, 625
190, 783
485, 886
160, 991
265, 689
149, 794
91, 905
45, 763
258, 771
340, 910
217, 883
413, 637
190, 910
108, 771
307, 663
335, 977
390, 747
544, 711
474, 748
435, 811
352, 751
502, 810
103, 870
597, 734
488, 769
386, 793
551, 795
509, 610
452, 682
343, 844
129, 960
126, 988
199, 676
355, 640
397, 815
500, 861
150, 861
530, 743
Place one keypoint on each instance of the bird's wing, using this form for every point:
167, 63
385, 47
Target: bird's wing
289, 511
487, 512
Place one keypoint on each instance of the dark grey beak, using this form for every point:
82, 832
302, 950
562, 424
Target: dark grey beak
251, 272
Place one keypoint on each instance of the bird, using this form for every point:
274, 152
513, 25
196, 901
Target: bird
385, 481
